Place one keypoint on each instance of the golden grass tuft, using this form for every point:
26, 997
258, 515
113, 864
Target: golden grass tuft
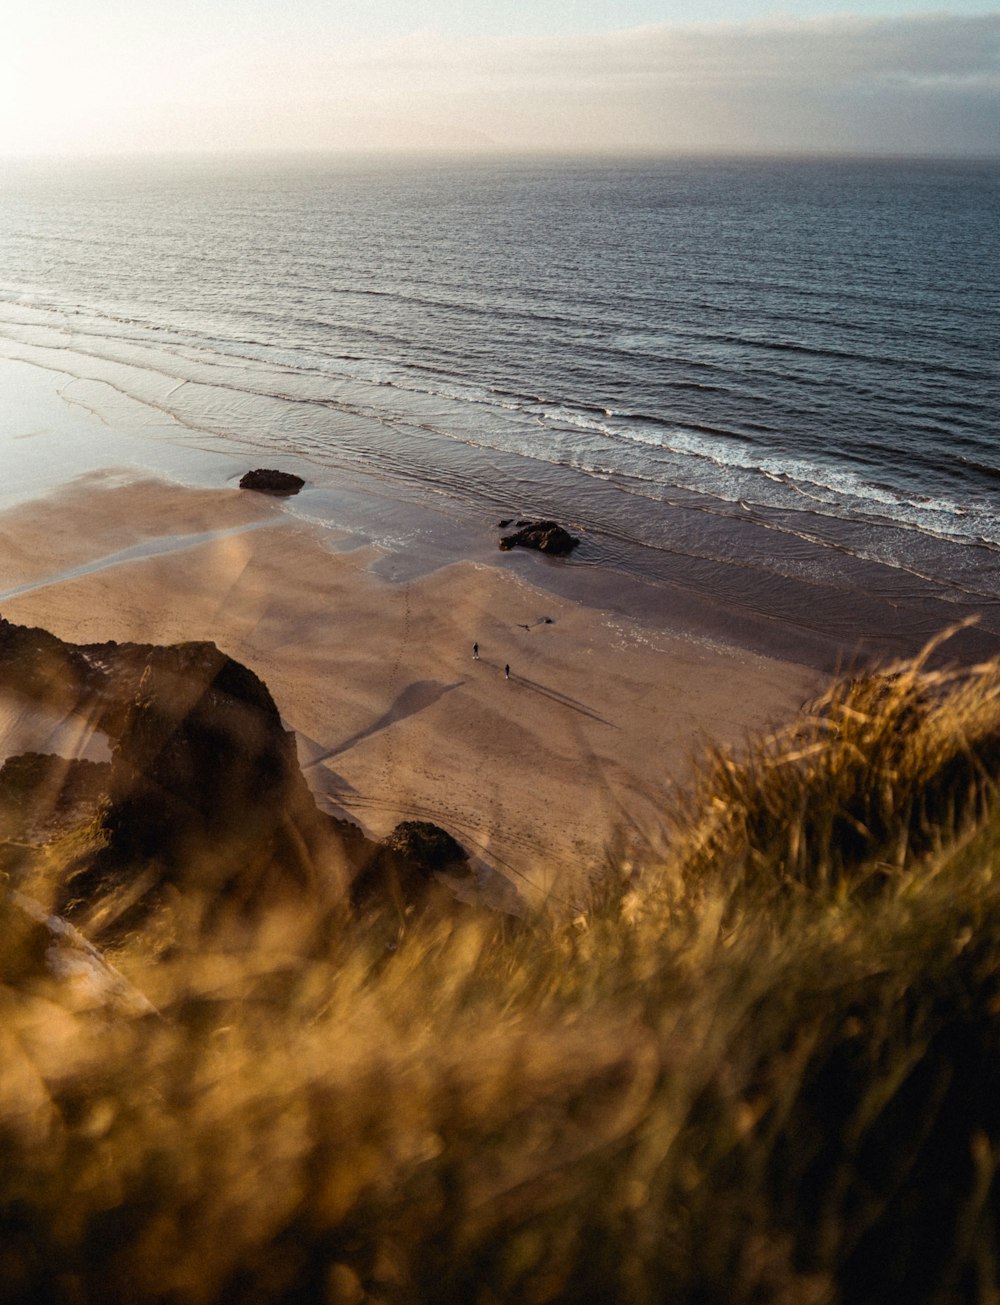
761, 1067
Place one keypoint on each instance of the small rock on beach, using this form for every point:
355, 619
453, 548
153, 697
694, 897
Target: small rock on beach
268, 481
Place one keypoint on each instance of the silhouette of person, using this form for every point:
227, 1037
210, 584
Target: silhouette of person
506, 672
475, 652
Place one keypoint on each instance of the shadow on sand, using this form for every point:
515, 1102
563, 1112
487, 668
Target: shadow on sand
563, 699
417, 696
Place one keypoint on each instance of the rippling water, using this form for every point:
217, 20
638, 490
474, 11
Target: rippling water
774, 382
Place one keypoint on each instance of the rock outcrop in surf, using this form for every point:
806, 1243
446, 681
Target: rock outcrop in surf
545, 536
266, 480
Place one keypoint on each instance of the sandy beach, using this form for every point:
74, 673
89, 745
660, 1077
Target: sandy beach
536, 775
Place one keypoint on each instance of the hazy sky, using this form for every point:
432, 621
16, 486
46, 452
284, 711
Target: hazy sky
93, 76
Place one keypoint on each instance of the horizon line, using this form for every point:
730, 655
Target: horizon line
492, 152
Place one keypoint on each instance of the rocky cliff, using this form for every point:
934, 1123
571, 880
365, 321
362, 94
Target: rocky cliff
203, 798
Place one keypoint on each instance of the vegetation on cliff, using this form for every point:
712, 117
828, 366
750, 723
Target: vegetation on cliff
762, 1064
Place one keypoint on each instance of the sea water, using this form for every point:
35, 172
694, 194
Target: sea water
771, 383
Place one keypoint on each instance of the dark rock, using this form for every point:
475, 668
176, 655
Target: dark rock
428, 846
404, 867
269, 481
203, 800
546, 536
505, 522
41, 667
205, 795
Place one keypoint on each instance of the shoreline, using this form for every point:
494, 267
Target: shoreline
536, 776
743, 579
359, 611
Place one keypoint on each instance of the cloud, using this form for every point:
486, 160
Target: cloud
832, 51
926, 83
916, 84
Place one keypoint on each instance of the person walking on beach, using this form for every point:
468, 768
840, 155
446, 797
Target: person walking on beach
475, 652
506, 671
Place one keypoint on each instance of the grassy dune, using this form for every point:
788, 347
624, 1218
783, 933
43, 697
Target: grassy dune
763, 1065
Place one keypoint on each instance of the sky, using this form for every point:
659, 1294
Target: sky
852, 76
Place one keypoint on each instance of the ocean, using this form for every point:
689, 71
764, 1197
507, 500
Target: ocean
766, 389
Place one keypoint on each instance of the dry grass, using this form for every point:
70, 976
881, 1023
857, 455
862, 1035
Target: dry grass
762, 1068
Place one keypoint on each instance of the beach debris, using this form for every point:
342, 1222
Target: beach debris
545, 536
268, 481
